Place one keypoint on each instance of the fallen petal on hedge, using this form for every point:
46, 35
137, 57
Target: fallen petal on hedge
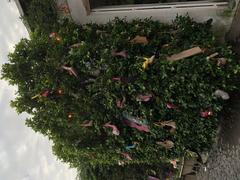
121, 163
114, 128
185, 54
134, 119
45, 93
171, 106
212, 56
121, 103
42, 94
87, 124
222, 94
148, 61
64, 8
152, 178
127, 156
77, 45
53, 35
134, 125
170, 123
174, 163
139, 40
166, 144
123, 53
221, 61
116, 79
206, 114
70, 70
144, 98
165, 45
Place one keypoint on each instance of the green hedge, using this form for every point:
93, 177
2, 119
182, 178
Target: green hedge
128, 172
40, 14
37, 68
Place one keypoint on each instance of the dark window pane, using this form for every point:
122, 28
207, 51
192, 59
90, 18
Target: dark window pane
97, 3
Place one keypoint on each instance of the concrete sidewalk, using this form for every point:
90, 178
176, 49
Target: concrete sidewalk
224, 159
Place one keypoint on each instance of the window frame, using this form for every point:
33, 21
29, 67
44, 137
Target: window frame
165, 12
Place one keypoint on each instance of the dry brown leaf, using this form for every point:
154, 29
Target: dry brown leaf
185, 54
139, 40
166, 144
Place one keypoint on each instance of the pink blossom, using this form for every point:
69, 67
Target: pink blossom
127, 156
131, 124
53, 35
114, 128
144, 98
70, 70
123, 53
171, 106
45, 93
87, 124
120, 104
174, 163
152, 178
116, 79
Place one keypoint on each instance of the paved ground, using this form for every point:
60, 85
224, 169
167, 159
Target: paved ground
224, 160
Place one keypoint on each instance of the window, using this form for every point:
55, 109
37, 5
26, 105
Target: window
97, 3
102, 11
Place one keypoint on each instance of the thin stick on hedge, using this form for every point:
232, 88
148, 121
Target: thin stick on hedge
185, 54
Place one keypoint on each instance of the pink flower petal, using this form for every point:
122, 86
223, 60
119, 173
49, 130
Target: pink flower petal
123, 53
52, 35
131, 124
174, 163
171, 106
144, 98
45, 93
127, 156
114, 128
152, 178
70, 70
87, 124
120, 104
116, 79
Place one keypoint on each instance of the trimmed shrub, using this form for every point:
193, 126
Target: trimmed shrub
103, 106
40, 14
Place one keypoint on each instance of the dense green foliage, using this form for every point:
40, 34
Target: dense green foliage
128, 172
36, 67
40, 14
